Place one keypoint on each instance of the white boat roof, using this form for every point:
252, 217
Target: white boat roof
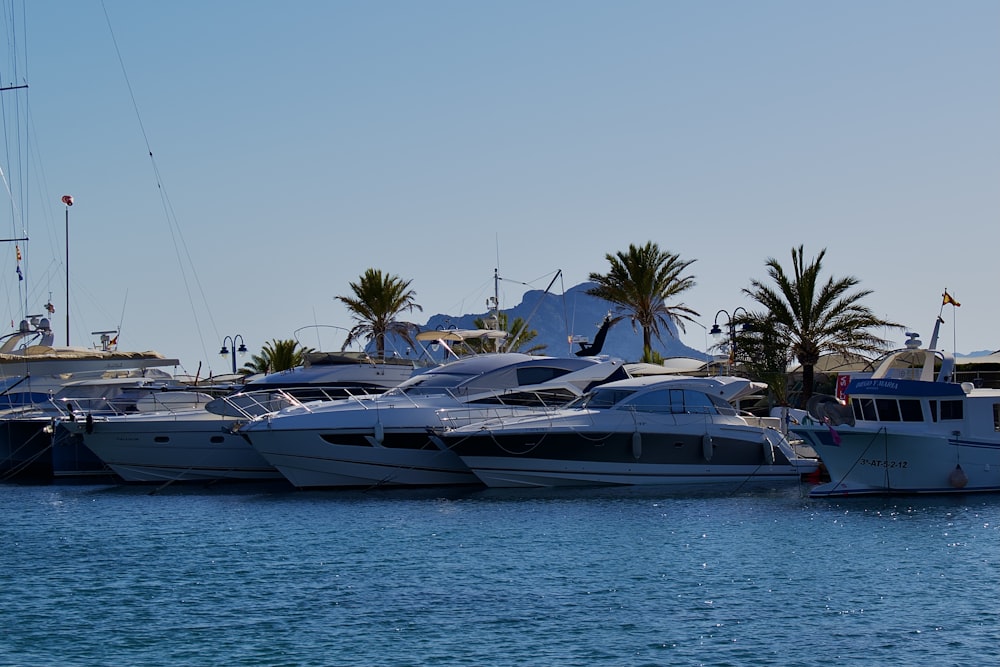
673, 365
462, 334
833, 363
727, 387
46, 353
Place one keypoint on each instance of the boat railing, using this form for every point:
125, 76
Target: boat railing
505, 404
117, 406
46, 408
547, 398
95, 405
306, 398
250, 404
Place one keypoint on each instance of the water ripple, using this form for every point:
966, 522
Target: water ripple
259, 576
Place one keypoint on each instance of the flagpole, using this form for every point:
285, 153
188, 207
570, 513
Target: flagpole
954, 326
68, 201
67, 276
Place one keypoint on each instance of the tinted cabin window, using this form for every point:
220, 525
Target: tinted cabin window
683, 401
605, 398
538, 374
867, 406
951, 410
888, 409
934, 410
551, 397
722, 406
654, 401
909, 410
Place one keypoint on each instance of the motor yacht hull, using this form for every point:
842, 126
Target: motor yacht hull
868, 461
388, 448
408, 458
390, 440
71, 458
25, 449
699, 455
194, 445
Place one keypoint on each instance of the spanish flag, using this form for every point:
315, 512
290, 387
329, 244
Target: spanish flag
949, 299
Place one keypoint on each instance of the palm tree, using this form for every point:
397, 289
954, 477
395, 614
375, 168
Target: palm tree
640, 283
378, 299
812, 318
277, 355
524, 335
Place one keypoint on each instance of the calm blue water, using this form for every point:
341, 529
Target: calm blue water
104, 575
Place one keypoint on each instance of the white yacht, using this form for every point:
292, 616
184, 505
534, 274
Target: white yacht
158, 443
388, 440
667, 430
908, 428
37, 378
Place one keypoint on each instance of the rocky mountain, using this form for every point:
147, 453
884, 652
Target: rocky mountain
558, 317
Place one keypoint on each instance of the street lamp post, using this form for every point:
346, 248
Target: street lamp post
731, 322
242, 349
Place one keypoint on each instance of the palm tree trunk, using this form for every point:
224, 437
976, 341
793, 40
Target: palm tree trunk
808, 379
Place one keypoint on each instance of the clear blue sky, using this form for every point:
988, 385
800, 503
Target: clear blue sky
297, 144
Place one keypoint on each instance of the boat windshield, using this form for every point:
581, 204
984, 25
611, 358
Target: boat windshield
428, 384
675, 401
601, 398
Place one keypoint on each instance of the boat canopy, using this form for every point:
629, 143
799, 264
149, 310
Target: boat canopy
461, 334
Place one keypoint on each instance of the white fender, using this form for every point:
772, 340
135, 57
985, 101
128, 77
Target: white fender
957, 478
707, 447
379, 432
636, 445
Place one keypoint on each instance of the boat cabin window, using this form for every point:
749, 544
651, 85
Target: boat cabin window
538, 374
557, 396
723, 407
864, 409
673, 401
679, 401
951, 410
651, 401
434, 382
909, 409
690, 402
888, 409
603, 398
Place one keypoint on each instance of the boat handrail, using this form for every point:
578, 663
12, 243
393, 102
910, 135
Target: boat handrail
286, 396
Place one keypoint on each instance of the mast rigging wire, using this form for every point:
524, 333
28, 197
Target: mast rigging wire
180, 246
